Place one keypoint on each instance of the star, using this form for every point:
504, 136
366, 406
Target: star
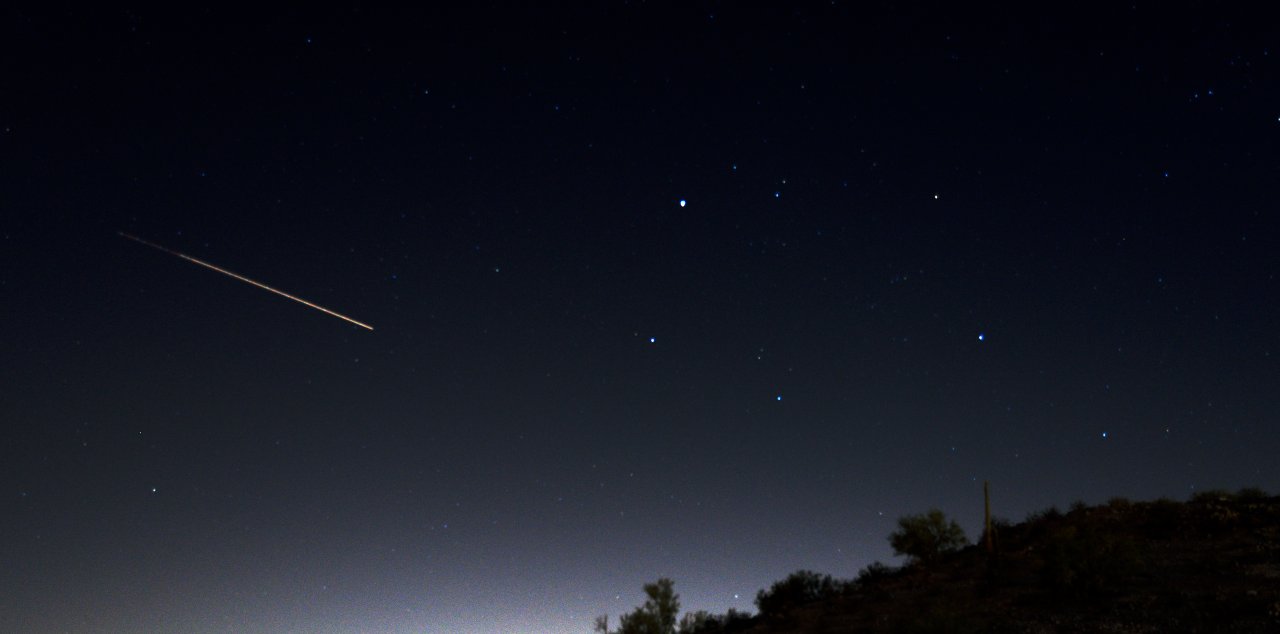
682, 202
982, 337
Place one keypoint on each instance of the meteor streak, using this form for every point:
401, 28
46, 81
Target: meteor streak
244, 279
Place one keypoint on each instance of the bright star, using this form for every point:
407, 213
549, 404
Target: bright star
779, 397
682, 202
982, 337
653, 340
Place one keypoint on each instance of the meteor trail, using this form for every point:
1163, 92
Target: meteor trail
243, 279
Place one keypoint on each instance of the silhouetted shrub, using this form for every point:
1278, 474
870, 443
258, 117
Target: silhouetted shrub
1118, 503
926, 537
1211, 495
1051, 513
1086, 563
874, 572
1214, 517
735, 621
703, 622
656, 616
1078, 505
1251, 494
799, 588
1040, 523
700, 622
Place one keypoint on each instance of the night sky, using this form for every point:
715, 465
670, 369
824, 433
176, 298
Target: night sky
709, 292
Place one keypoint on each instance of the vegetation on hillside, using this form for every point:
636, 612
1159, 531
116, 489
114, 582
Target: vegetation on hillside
1209, 564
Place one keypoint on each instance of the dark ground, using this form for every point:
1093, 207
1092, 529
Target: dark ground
1208, 565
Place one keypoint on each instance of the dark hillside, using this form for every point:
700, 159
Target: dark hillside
1208, 565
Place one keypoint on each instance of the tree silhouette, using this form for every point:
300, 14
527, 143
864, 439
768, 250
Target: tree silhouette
703, 622
799, 588
926, 537
656, 616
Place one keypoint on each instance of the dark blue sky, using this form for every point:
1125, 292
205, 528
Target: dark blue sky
919, 248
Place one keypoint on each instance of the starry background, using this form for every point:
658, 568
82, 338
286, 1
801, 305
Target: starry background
711, 292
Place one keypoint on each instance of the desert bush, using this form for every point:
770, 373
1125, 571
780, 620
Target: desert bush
737, 621
702, 622
1251, 494
1211, 495
656, 616
799, 588
1214, 517
926, 537
874, 572
1039, 523
1051, 513
1080, 562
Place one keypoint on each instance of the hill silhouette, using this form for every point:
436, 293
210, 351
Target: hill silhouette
1211, 564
